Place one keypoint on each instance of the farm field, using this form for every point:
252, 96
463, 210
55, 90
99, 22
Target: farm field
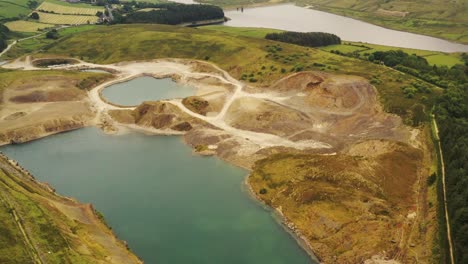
71, 10
25, 26
433, 57
66, 19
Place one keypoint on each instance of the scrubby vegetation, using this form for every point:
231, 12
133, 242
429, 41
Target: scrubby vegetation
168, 13
308, 39
53, 34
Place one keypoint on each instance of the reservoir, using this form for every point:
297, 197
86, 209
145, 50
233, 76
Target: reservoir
141, 89
169, 205
295, 18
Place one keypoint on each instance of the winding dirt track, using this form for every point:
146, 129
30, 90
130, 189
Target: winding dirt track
131, 70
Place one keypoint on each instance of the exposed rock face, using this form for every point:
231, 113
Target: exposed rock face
333, 109
158, 115
43, 103
38, 130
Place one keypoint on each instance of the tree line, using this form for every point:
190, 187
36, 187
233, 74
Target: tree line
308, 39
418, 66
3, 37
168, 13
452, 117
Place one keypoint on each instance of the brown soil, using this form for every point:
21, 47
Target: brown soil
350, 206
318, 106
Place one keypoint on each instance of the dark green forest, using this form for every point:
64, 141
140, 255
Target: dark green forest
452, 117
442, 76
3, 37
307, 39
169, 13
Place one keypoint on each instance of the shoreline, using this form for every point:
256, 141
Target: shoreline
71, 201
117, 129
328, 11
280, 219
317, 8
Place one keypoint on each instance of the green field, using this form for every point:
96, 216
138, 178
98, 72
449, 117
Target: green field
363, 49
69, 9
433, 57
246, 32
58, 19
14, 8
25, 26
76, 5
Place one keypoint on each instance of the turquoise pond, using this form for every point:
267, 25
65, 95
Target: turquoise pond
168, 204
145, 88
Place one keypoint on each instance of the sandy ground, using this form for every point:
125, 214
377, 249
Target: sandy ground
183, 71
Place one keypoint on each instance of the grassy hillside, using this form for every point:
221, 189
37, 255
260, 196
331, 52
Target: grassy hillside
433, 57
10, 9
36, 226
36, 44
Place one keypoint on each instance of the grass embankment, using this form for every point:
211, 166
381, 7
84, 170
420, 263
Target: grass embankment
36, 225
258, 61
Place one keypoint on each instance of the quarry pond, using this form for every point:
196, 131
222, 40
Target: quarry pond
295, 18
146, 88
169, 205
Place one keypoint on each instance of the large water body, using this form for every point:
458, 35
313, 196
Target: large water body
295, 18
169, 205
143, 89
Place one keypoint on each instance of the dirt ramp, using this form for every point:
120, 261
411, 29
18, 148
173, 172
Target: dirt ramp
301, 81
